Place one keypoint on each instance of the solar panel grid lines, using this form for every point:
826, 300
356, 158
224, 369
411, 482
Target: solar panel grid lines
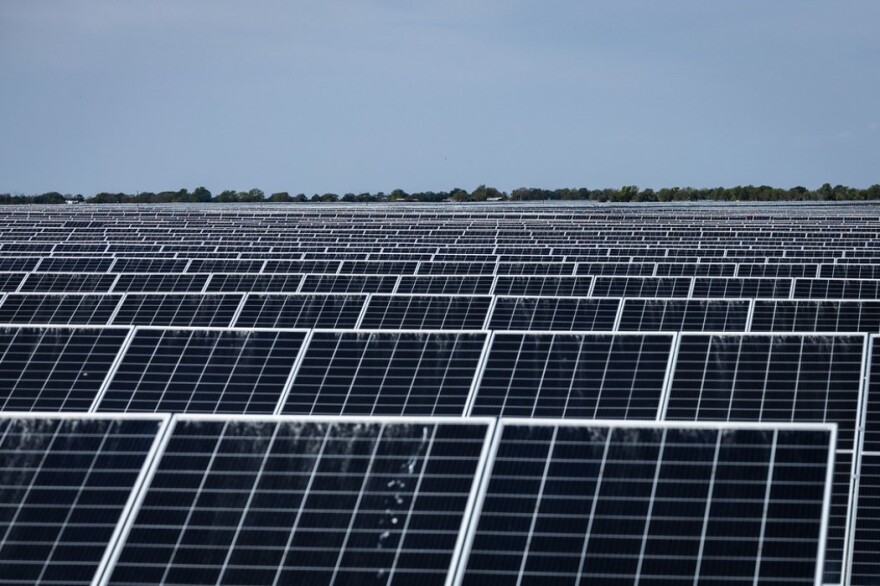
836, 289
221, 370
429, 312
825, 315
870, 437
667, 380
114, 366
538, 553
11, 282
386, 372
792, 379
641, 286
861, 561
47, 367
70, 481
159, 282
111, 554
534, 286
323, 283
58, 308
857, 544
572, 374
381, 458
552, 313
315, 310
711, 354
741, 287
672, 314
178, 309
66, 282
253, 283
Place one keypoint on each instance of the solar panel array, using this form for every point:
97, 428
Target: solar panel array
450, 394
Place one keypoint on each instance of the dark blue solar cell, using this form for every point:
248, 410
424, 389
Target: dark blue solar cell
65, 485
304, 502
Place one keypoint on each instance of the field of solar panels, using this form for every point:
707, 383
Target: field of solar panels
440, 394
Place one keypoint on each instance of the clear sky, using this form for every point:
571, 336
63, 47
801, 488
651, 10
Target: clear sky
371, 95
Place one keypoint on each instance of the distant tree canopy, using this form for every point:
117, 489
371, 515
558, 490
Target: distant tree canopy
626, 193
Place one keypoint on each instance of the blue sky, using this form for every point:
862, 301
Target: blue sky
369, 95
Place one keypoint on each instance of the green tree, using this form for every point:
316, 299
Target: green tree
629, 192
201, 194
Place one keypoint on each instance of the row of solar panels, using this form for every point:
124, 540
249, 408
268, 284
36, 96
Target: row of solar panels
586, 286
622, 376
782, 216
341, 263
461, 245
688, 377
440, 312
417, 230
354, 251
199, 500
414, 260
539, 501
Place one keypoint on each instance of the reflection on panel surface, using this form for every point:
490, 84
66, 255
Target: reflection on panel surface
304, 502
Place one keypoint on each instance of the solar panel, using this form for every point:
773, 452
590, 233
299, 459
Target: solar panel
9, 282
836, 289
300, 266
816, 316
616, 269
456, 268
769, 378
179, 310
149, 265
305, 501
611, 376
301, 311
776, 270
641, 287
409, 312
66, 484
378, 267
839, 271
777, 378
348, 284
74, 265
543, 286
682, 269
685, 315
741, 287
864, 564
651, 503
225, 266
58, 309
250, 282
445, 285
17, 264
535, 268
55, 369
553, 313
160, 283
67, 283
202, 371
386, 373
871, 436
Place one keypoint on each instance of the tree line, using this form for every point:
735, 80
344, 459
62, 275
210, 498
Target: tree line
627, 193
